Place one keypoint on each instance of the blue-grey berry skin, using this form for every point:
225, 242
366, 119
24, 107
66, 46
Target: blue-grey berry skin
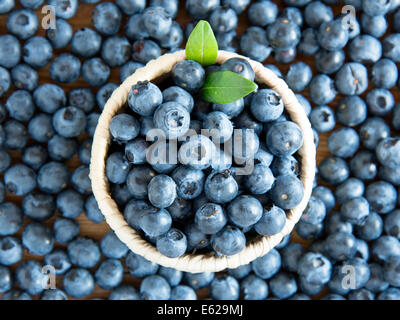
332, 35
49, 97
352, 79
287, 192
138, 179
198, 280
95, 71
173, 276
6, 6
24, 77
84, 252
134, 28
61, 149
182, 292
11, 218
219, 126
189, 75
284, 138
10, 51
109, 274
38, 239
253, 288
262, 13
329, 62
144, 98
315, 211
210, 218
65, 230
135, 151
155, 287
20, 105
144, 50
82, 98
351, 111
10, 250
78, 283
244, 211
391, 47
281, 166
156, 21
221, 187
391, 273
392, 224
298, 76
124, 127
20, 179
232, 109
380, 102
309, 44
128, 69
117, 168
86, 42
64, 9
5, 81
364, 165
388, 152
326, 195
267, 265
338, 148
240, 272
124, 292
92, 210
195, 238
376, 282
130, 7
161, 191
37, 52
350, 189
106, 18
15, 135
365, 49
322, 89
201, 9
385, 248
372, 227
155, 223
15, 294
23, 23
140, 267
384, 74
177, 94
38, 206
6, 280
260, 180
374, 8
115, 51
314, 268
291, 255
224, 287
172, 244
59, 259
223, 19
283, 34
254, 44
334, 170
53, 294
172, 118
272, 221
69, 122
355, 210
112, 247
381, 196
65, 68
189, 182
341, 246
375, 26
316, 13
29, 276
322, 118
61, 35
266, 105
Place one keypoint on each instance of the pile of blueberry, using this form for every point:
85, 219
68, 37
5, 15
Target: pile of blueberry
344, 71
197, 196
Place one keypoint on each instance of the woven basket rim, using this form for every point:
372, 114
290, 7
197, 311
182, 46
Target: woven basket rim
196, 262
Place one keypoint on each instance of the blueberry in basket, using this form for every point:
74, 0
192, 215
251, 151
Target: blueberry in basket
195, 178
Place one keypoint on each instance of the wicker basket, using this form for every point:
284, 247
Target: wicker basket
195, 262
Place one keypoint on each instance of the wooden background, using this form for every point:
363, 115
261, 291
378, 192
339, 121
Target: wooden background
96, 231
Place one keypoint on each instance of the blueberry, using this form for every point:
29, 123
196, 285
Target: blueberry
20, 105
38, 206
92, 210
124, 292
384, 74
314, 268
61, 149
115, 51
134, 27
189, 75
5, 83
91, 123
61, 35
117, 168
10, 250
156, 21
272, 221
161, 191
221, 187
195, 238
376, 282
23, 23
201, 9
106, 18
291, 255
37, 52
144, 97
140, 267
64, 9
223, 19
340, 246
381, 196
15, 294
365, 49
182, 292
262, 13
84, 252
78, 283
155, 287
364, 165
255, 45
10, 51
109, 274
124, 127
391, 47
387, 152
31, 4
219, 126
267, 265
38, 239
287, 192
385, 248
6, 6
329, 61
10, 219
137, 181
69, 203
375, 25
283, 285
65, 68
53, 294
29, 277
129, 68
80, 180
49, 98
336, 146
172, 244
198, 280
355, 210
372, 131
210, 218
20, 179
293, 14
86, 42
317, 13
284, 56
389, 294
380, 102
308, 45
59, 260
53, 177
284, 138
266, 105
374, 8
129, 7
224, 287
283, 34
335, 223
332, 35
322, 89
352, 111
144, 50
227, 41
298, 76
65, 230
5, 279
15, 134
392, 224
309, 288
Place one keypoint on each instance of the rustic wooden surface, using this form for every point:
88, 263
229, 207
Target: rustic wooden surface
96, 231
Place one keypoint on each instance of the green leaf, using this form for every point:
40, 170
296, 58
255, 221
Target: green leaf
226, 87
202, 45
